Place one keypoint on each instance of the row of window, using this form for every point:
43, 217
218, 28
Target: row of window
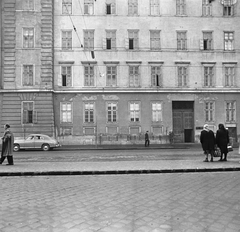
154, 7
133, 7
134, 75
132, 42
134, 111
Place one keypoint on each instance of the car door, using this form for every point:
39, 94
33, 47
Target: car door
29, 142
38, 141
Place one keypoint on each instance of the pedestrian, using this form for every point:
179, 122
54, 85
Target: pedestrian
7, 145
147, 141
207, 140
222, 141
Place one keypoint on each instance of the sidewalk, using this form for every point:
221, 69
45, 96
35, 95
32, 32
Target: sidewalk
62, 167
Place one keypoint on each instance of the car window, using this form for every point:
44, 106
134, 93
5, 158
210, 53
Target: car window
30, 137
38, 137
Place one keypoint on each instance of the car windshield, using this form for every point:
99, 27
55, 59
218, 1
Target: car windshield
30, 137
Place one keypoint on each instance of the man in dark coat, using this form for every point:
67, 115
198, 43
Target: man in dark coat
7, 145
207, 140
147, 139
222, 141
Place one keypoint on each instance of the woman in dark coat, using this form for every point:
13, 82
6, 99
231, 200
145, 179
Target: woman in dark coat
207, 140
7, 145
222, 141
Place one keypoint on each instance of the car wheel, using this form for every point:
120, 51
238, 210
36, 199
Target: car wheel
45, 147
16, 147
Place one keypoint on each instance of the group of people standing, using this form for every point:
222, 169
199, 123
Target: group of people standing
210, 142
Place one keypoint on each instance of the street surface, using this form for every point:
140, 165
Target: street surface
189, 202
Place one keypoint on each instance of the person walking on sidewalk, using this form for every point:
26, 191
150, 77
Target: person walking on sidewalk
207, 140
147, 141
7, 145
222, 141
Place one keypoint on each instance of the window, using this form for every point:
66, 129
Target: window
209, 111
228, 10
134, 112
182, 72
66, 76
110, 42
110, 7
134, 76
89, 7
67, 6
132, 39
89, 75
28, 37
89, 39
66, 112
229, 76
230, 111
111, 112
181, 40
154, 7
27, 77
89, 112
67, 40
132, 7
181, 7
156, 111
154, 39
207, 41
228, 41
28, 4
29, 115
208, 76
207, 7
111, 76
156, 76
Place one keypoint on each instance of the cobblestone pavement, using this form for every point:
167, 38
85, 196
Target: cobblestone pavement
189, 202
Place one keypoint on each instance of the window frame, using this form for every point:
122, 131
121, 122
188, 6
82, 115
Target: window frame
181, 40
158, 113
209, 113
136, 113
209, 83
88, 7
28, 38
111, 83
88, 112
29, 5
132, 7
69, 120
229, 77
133, 39
66, 41
207, 42
67, 5
156, 82
26, 117
111, 35
88, 36
68, 76
226, 42
154, 8
230, 112
180, 8
112, 5
111, 112
24, 77
134, 77
206, 8
155, 40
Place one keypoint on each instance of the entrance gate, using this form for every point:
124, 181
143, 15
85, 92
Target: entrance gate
183, 122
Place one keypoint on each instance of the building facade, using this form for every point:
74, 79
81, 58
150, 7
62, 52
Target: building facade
27, 66
105, 72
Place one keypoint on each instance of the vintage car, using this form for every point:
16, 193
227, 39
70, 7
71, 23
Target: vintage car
35, 141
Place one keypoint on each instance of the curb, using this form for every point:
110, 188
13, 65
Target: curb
120, 172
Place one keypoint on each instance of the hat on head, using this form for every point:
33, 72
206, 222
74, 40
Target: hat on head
205, 126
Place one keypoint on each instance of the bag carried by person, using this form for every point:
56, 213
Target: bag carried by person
230, 148
217, 152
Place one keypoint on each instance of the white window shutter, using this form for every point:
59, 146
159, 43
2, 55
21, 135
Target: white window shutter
201, 44
127, 43
59, 80
104, 43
